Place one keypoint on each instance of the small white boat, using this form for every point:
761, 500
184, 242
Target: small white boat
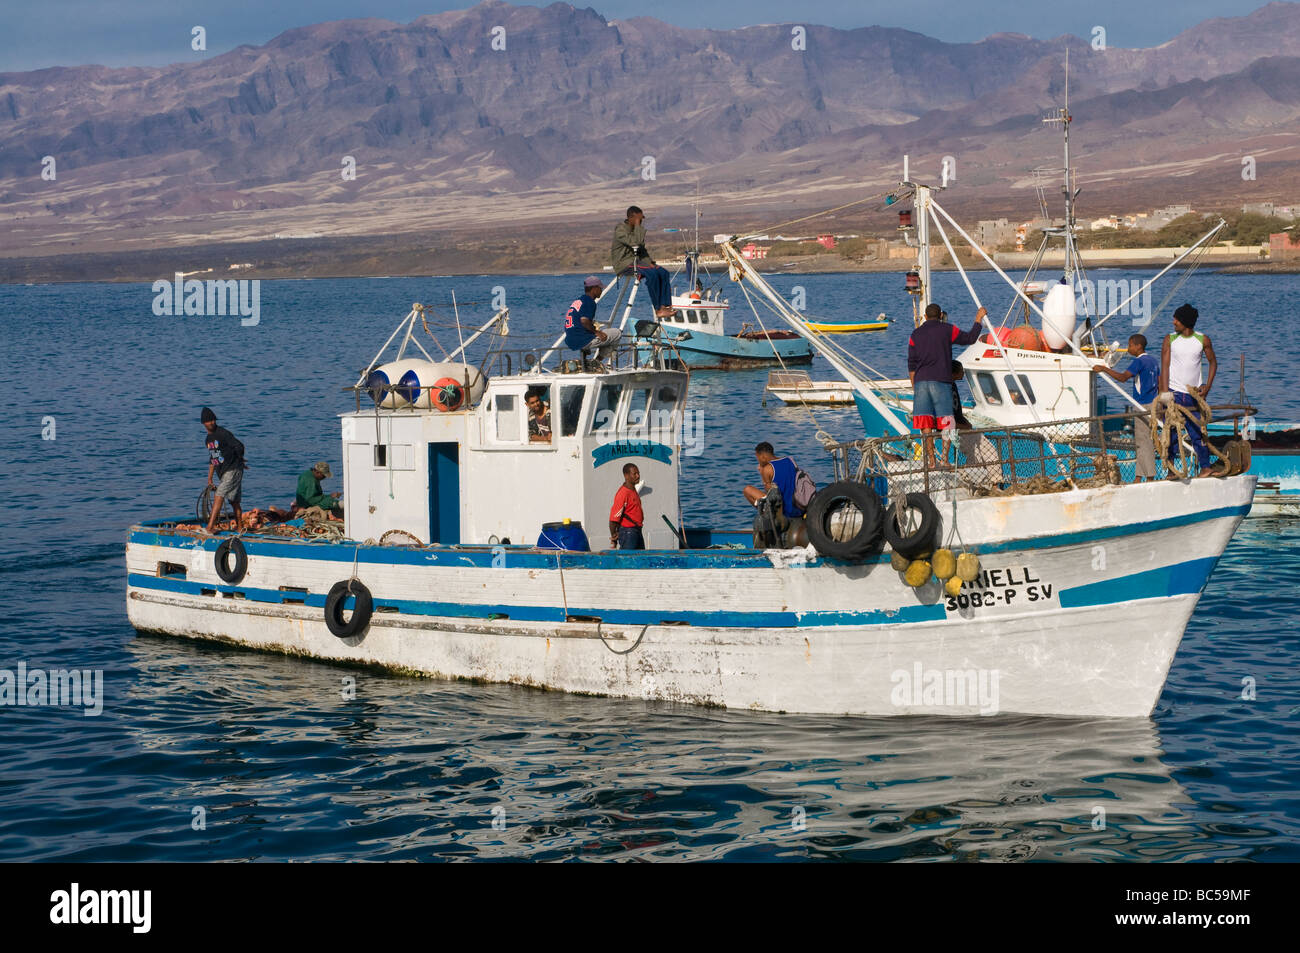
797, 387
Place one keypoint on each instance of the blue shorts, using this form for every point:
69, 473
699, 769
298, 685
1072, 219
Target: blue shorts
629, 537
932, 405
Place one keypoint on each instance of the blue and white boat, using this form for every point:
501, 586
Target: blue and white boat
1074, 606
697, 332
700, 340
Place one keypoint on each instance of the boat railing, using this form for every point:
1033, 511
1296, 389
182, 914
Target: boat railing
634, 352
638, 353
1031, 458
788, 378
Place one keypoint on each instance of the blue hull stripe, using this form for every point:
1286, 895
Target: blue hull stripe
525, 557
415, 607
1178, 580
1181, 579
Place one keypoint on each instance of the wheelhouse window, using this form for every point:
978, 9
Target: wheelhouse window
1018, 394
571, 397
606, 416
508, 419
537, 403
663, 406
692, 317
988, 388
638, 409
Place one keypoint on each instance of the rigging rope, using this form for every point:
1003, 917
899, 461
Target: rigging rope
822, 436
838, 208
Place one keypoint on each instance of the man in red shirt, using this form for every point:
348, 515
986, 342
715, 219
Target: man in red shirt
626, 516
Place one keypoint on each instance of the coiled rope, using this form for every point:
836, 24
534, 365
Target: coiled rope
1176, 419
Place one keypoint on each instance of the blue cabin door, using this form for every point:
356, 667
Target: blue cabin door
444, 493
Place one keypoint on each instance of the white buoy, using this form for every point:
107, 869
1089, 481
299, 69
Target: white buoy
1058, 316
380, 382
415, 382
405, 382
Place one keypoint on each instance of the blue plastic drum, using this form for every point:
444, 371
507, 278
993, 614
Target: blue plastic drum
568, 536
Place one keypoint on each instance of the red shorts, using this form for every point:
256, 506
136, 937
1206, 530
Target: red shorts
926, 422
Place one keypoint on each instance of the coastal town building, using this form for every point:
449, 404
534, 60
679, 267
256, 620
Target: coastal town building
1163, 216
1284, 246
994, 232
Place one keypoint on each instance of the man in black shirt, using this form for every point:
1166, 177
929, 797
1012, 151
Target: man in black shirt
226, 460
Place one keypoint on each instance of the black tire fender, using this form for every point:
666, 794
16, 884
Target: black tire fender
827, 502
229, 574
361, 611
920, 539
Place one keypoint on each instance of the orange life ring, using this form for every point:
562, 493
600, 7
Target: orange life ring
448, 393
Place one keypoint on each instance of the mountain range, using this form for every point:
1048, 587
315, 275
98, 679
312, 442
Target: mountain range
451, 134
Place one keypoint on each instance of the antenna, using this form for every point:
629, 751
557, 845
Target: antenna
1063, 117
697, 214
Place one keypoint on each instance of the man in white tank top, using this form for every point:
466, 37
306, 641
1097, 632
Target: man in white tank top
1180, 373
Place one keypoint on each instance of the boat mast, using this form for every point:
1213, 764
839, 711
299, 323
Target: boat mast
918, 218
1063, 117
697, 218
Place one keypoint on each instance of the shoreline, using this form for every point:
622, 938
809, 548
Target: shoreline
408, 256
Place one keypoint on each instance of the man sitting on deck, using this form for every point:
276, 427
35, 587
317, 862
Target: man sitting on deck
628, 255
310, 494
580, 331
782, 474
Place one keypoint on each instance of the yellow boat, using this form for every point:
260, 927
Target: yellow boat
841, 328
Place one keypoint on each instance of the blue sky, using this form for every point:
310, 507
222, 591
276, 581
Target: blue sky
40, 33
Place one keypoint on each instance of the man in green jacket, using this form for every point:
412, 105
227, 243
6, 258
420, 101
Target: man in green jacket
310, 494
628, 255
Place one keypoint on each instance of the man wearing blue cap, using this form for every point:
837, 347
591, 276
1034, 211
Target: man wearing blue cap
580, 331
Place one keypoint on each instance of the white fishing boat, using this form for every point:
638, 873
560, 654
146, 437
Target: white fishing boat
1065, 603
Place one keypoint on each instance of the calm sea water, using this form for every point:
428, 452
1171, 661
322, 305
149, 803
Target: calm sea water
210, 753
